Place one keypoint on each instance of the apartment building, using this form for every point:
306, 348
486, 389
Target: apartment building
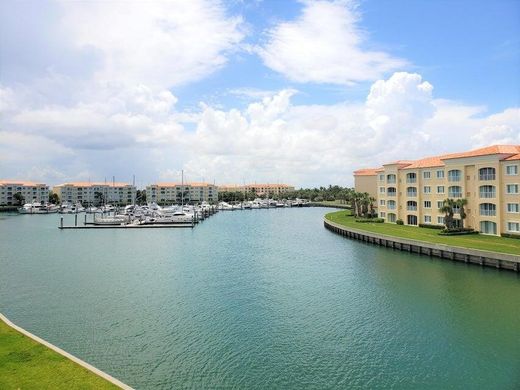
31, 192
95, 194
365, 181
259, 189
488, 178
169, 193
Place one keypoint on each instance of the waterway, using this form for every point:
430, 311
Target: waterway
259, 299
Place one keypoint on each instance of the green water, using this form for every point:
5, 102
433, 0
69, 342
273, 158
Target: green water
259, 299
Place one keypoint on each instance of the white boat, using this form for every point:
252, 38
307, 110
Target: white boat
110, 220
37, 208
176, 217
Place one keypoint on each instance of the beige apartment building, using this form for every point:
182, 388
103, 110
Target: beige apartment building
95, 194
168, 193
259, 189
365, 181
488, 178
31, 192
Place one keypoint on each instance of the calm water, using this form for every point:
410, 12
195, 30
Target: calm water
259, 299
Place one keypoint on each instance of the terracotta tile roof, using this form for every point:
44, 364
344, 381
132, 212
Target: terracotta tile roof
400, 162
366, 172
489, 150
92, 184
513, 157
21, 183
267, 185
428, 162
192, 184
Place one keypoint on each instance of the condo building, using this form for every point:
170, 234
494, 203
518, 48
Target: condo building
162, 193
96, 194
31, 192
259, 189
488, 178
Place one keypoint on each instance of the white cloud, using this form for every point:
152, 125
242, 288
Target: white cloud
160, 44
325, 45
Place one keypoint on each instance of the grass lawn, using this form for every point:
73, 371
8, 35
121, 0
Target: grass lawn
333, 203
474, 241
26, 364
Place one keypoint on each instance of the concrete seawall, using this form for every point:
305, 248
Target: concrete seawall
76, 360
466, 255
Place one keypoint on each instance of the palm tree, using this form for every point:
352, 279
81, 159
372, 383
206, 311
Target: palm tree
460, 203
372, 200
447, 209
19, 198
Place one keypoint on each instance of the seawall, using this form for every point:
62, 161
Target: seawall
466, 255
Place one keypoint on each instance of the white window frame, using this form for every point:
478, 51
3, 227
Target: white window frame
440, 174
427, 219
513, 204
427, 189
513, 231
439, 191
512, 184
425, 204
512, 166
427, 175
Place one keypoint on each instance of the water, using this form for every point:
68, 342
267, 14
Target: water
259, 299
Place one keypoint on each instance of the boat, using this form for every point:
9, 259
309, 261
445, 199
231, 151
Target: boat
37, 208
111, 220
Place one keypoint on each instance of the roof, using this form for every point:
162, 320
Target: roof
428, 162
513, 157
268, 185
92, 184
366, 172
21, 183
400, 162
489, 150
171, 184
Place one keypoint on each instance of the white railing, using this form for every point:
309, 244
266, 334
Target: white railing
487, 176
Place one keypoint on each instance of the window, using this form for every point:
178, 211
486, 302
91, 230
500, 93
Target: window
427, 219
391, 178
512, 189
411, 219
454, 175
440, 203
381, 177
487, 191
411, 205
427, 204
513, 226
486, 174
382, 214
440, 189
411, 177
382, 202
427, 189
488, 209
411, 191
440, 220
440, 174
392, 217
513, 207
426, 175
455, 192
381, 190
391, 191
391, 205
511, 170
488, 227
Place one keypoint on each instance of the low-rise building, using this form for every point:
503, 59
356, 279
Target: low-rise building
365, 181
168, 193
31, 192
258, 189
488, 178
96, 194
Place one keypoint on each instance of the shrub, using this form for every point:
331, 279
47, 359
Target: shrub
375, 220
399, 222
430, 226
457, 232
511, 235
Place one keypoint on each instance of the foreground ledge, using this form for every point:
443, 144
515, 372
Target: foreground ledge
466, 255
67, 355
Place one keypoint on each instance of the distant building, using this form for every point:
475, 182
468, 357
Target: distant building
96, 193
177, 192
488, 178
259, 189
31, 191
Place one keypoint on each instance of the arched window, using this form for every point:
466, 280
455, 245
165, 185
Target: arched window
488, 227
411, 219
454, 175
411, 205
411, 177
487, 191
391, 191
391, 178
390, 205
488, 209
454, 192
487, 173
411, 191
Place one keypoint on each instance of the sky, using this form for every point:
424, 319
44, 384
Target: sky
296, 92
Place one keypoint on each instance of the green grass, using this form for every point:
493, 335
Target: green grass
333, 203
474, 241
26, 364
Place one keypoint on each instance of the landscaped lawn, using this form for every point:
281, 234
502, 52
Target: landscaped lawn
26, 364
483, 242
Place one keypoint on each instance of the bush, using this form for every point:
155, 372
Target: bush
375, 220
399, 222
430, 226
457, 232
511, 235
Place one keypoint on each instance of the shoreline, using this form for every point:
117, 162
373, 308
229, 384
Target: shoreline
65, 354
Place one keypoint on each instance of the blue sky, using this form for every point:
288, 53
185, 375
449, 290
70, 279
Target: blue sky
301, 92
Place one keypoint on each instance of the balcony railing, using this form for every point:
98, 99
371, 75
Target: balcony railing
454, 178
411, 194
411, 208
455, 194
390, 207
488, 212
487, 176
391, 181
487, 194
411, 180
391, 193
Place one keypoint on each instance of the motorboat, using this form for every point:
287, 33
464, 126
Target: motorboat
37, 208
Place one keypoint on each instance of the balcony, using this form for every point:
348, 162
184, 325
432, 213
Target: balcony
455, 195
490, 213
487, 194
391, 193
411, 180
411, 208
487, 176
411, 194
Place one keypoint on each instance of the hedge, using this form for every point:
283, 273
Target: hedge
375, 220
511, 235
430, 226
